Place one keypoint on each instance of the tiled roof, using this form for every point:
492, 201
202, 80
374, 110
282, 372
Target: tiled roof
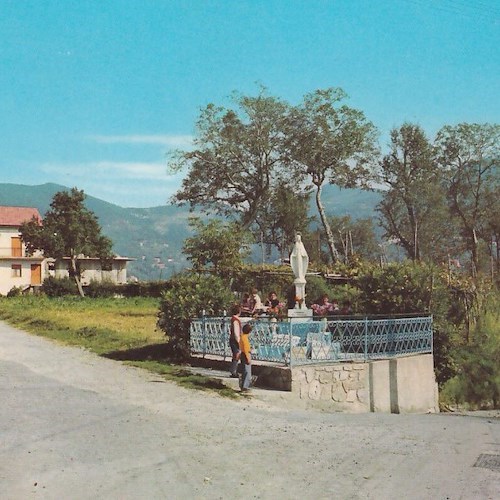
15, 216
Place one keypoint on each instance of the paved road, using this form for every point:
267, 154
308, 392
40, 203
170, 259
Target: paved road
76, 426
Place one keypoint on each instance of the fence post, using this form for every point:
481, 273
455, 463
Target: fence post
366, 339
432, 334
223, 335
204, 332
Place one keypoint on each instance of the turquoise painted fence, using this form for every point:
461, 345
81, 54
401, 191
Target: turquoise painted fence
332, 339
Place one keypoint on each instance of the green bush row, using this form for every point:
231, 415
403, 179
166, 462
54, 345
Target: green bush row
59, 287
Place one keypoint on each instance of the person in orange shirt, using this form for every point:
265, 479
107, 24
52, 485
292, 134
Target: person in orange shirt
246, 358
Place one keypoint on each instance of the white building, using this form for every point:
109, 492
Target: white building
91, 269
17, 269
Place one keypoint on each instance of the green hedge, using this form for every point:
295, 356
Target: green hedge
59, 287
187, 296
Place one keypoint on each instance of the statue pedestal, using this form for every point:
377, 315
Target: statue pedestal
300, 288
302, 315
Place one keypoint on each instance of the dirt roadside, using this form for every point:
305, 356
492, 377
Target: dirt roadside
74, 425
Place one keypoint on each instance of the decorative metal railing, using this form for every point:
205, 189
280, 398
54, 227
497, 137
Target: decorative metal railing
312, 341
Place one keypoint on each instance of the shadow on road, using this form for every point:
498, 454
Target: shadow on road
155, 352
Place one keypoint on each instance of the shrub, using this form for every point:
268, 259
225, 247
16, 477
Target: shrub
396, 288
477, 384
316, 287
187, 296
15, 291
144, 289
346, 293
101, 289
477, 380
59, 287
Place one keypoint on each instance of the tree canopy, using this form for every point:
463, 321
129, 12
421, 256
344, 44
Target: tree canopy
413, 210
245, 158
216, 245
68, 230
259, 161
469, 155
332, 143
286, 214
238, 156
356, 237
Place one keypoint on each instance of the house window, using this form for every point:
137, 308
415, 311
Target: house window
16, 270
16, 246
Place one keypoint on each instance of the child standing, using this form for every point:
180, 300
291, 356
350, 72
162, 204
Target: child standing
246, 357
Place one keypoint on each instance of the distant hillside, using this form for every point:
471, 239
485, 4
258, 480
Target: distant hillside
154, 236
357, 203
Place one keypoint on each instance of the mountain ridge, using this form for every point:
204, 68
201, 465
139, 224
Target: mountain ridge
154, 236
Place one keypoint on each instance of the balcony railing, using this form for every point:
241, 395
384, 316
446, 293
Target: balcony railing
9, 252
12, 252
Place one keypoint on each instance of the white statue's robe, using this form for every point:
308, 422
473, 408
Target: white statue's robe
299, 260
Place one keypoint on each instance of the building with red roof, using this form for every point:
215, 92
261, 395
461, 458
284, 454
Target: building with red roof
17, 269
15, 216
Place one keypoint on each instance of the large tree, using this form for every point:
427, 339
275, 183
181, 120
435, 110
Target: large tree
331, 142
413, 209
69, 230
470, 156
237, 157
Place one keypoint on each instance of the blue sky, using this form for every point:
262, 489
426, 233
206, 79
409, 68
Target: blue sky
93, 93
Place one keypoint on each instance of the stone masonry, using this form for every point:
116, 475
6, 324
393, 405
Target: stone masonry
343, 387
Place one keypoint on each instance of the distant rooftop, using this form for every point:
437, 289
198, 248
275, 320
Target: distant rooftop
15, 216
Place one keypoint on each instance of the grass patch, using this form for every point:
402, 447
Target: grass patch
185, 378
121, 329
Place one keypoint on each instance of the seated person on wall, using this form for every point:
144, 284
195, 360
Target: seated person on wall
323, 308
256, 303
274, 308
246, 305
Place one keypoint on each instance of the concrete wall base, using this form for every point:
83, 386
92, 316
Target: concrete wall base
398, 385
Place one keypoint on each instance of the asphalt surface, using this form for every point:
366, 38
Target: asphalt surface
76, 426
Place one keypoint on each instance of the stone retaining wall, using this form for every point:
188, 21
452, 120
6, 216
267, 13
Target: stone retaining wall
342, 386
405, 384
399, 385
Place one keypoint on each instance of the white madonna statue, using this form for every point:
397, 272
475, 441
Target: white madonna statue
299, 260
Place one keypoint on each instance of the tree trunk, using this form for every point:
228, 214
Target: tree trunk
416, 246
329, 235
497, 259
475, 257
76, 277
